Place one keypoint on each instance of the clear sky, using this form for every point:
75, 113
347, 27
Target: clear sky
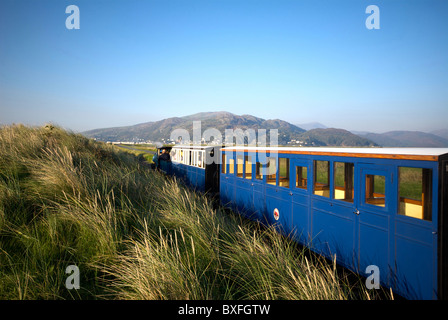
296, 60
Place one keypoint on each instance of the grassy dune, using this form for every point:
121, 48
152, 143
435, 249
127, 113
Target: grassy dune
134, 233
141, 151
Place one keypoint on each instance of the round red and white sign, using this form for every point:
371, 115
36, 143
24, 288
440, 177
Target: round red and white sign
276, 214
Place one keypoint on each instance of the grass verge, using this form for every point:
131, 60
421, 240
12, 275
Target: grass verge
134, 233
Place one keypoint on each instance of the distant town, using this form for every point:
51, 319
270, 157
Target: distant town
293, 142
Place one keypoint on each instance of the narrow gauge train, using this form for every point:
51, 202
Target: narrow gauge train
198, 166
385, 207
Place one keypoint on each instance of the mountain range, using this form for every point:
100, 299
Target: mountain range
311, 134
407, 139
161, 130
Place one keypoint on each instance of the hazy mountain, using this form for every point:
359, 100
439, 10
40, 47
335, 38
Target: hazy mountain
441, 133
407, 139
158, 130
311, 125
335, 137
289, 134
360, 133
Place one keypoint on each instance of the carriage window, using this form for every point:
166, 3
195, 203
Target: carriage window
193, 158
259, 171
200, 159
173, 155
283, 178
187, 157
415, 192
271, 175
375, 190
322, 178
343, 181
301, 177
231, 166
239, 166
248, 166
223, 164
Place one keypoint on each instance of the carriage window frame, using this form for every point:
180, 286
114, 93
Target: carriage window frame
301, 182
323, 189
348, 176
200, 159
283, 178
186, 157
231, 163
374, 194
259, 170
416, 204
248, 163
194, 158
223, 163
239, 165
271, 179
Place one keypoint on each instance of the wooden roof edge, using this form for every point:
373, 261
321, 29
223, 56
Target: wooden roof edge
421, 157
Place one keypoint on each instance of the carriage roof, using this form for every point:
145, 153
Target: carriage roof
431, 154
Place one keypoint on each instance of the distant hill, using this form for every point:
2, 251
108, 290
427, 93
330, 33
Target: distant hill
407, 139
161, 130
335, 137
312, 125
441, 133
289, 134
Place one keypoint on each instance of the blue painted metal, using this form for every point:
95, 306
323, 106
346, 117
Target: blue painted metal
374, 230
165, 166
197, 167
227, 185
358, 233
193, 177
300, 203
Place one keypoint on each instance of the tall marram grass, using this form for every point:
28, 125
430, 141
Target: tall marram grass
134, 233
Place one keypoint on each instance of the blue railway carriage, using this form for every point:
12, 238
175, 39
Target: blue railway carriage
380, 207
197, 166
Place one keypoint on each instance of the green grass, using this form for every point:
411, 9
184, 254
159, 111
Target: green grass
134, 233
145, 147
410, 183
321, 171
141, 152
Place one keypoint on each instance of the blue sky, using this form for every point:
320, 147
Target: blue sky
295, 60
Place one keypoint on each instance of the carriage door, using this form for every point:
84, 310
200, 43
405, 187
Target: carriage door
374, 215
300, 192
333, 218
416, 232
